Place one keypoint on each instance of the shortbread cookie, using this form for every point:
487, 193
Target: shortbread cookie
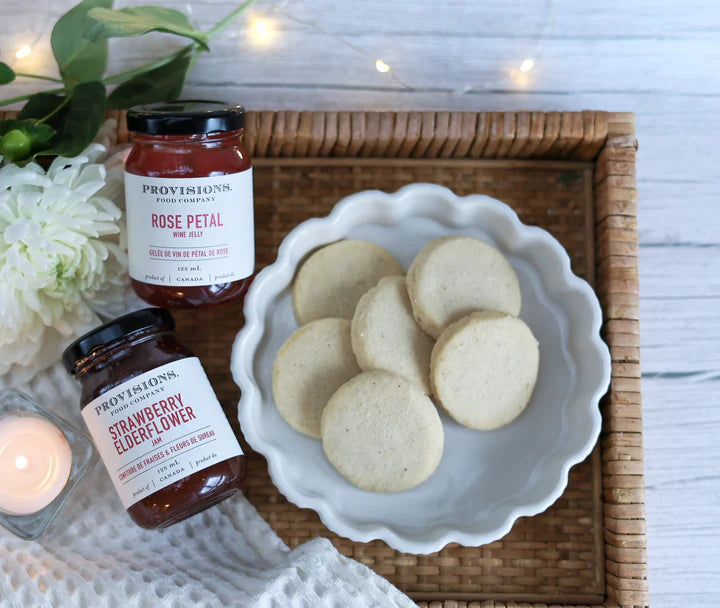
332, 280
456, 275
385, 335
382, 433
309, 367
483, 369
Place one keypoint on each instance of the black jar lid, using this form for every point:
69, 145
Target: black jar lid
185, 117
115, 330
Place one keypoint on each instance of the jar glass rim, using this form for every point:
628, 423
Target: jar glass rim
121, 327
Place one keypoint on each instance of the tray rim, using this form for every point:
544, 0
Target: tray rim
607, 141
602, 140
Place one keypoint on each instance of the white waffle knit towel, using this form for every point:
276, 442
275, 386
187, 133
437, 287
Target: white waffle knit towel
94, 555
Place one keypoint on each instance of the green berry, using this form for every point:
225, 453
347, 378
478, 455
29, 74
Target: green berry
15, 145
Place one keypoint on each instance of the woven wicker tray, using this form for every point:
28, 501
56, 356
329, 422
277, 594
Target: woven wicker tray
571, 173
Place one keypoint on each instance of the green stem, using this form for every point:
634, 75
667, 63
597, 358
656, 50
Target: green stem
56, 110
7, 102
38, 76
229, 19
158, 63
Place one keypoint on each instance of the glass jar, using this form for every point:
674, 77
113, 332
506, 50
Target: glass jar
189, 204
155, 419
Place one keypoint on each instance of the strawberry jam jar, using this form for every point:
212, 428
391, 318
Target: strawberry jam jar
155, 419
189, 204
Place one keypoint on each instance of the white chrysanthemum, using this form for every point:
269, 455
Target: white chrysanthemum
62, 256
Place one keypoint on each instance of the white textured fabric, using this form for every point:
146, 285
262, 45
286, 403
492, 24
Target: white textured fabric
94, 556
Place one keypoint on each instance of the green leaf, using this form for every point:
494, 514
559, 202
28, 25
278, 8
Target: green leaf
136, 20
79, 59
81, 120
41, 105
41, 134
6, 73
161, 84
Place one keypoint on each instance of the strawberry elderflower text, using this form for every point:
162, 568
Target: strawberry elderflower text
149, 423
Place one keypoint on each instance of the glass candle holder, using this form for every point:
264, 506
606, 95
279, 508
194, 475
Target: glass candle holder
42, 459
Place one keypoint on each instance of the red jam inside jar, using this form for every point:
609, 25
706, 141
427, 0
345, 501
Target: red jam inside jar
189, 204
155, 419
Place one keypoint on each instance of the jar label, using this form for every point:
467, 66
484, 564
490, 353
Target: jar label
190, 231
158, 428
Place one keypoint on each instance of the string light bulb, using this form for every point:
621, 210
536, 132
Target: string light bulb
23, 51
21, 462
527, 65
262, 31
381, 66
261, 27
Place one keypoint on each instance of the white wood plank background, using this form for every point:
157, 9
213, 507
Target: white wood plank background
657, 58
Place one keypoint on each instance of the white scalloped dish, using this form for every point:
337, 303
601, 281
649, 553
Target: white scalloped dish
486, 479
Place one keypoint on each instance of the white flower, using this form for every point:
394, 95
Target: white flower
63, 257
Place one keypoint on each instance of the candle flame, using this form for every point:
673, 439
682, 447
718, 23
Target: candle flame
23, 51
21, 462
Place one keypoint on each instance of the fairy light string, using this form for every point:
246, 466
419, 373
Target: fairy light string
520, 74
263, 31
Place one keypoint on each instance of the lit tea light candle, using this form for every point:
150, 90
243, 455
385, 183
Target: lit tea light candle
35, 463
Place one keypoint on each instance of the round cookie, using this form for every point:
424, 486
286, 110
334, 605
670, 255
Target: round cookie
382, 433
385, 335
483, 369
456, 275
309, 367
332, 280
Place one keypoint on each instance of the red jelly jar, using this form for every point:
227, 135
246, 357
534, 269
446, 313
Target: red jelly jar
155, 419
189, 204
